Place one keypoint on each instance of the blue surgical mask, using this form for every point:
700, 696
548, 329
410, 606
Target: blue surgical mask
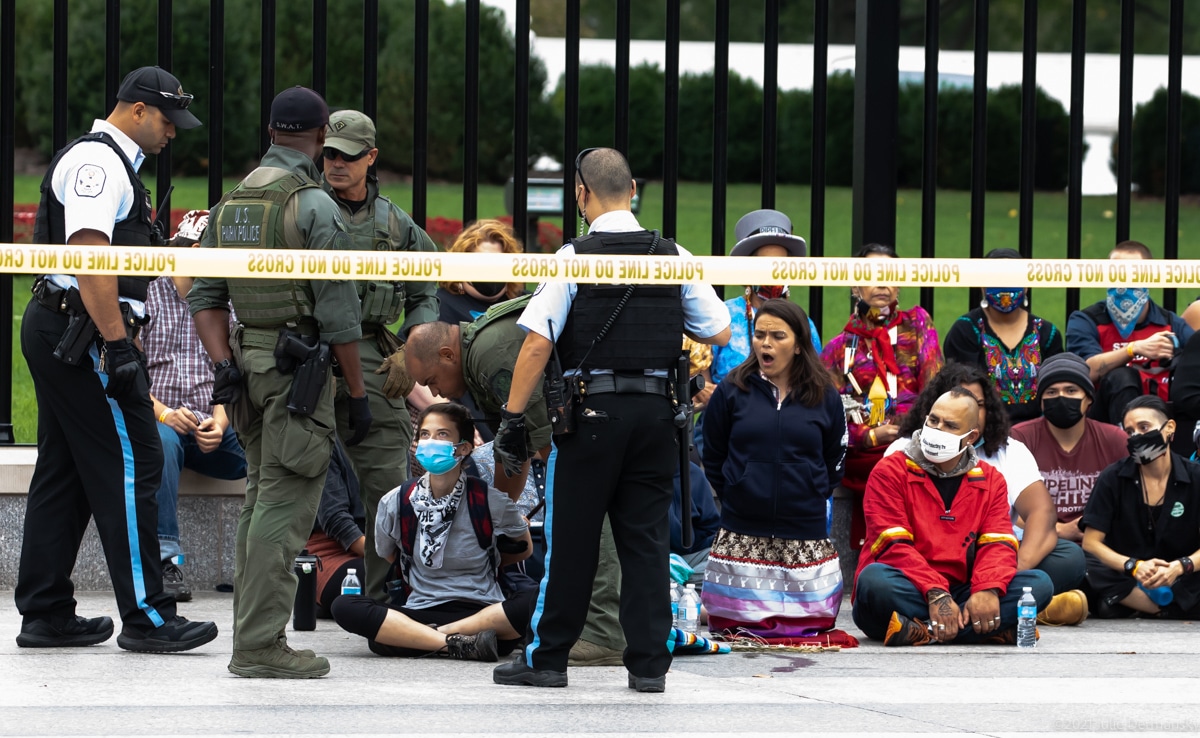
436, 456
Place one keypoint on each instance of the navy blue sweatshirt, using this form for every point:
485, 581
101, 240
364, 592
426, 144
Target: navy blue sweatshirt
772, 465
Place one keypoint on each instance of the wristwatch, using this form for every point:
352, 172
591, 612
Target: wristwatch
1130, 565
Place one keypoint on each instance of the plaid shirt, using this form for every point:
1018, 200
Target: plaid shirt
181, 374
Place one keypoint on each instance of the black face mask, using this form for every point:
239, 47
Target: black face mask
1146, 447
1063, 412
489, 289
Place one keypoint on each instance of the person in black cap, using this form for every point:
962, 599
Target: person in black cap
99, 454
275, 381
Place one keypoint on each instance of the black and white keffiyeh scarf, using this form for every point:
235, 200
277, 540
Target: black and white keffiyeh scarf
434, 518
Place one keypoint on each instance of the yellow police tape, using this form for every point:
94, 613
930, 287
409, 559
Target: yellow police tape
438, 267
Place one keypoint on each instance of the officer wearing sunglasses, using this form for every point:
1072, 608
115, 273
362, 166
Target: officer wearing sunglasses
98, 450
377, 224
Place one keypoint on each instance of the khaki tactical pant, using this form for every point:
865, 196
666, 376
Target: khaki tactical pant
286, 459
603, 625
381, 460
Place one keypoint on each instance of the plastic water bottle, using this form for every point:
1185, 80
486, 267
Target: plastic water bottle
1027, 620
674, 604
351, 585
689, 610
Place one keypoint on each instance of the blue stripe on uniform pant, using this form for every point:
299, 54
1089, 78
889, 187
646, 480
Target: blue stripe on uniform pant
130, 500
548, 531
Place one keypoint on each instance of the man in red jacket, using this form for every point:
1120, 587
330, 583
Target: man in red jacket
942, 558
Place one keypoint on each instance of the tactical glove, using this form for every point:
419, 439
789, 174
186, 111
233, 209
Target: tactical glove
123, 363
360, 419
511, 446
398, 383
227, 383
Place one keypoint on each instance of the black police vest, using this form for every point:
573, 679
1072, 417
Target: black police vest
648, 332
50, 225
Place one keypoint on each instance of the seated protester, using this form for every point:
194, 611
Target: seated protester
195, 434
431, 528
705, 522
1141, 528
1031, 508
1185, 397
1003, 338
917, 581
1070, 448
1127, 341
338, 538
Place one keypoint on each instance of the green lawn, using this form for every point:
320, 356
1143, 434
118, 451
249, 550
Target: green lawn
695, 227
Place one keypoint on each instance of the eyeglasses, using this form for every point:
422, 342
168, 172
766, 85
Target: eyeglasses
331, 154
181, 100
579, 161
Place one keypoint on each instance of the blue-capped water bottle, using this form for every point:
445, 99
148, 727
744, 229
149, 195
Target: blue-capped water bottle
1027, 620
674, 604
351, 585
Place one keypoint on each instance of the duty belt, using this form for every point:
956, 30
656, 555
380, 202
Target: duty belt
625, 384
50, 295
266, 338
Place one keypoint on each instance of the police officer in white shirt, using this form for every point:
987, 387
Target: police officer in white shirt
619, 345
99, 453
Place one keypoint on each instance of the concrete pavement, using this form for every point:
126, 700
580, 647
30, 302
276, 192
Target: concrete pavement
1130, 677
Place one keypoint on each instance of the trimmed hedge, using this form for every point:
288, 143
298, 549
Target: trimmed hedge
694, 138
1149, 138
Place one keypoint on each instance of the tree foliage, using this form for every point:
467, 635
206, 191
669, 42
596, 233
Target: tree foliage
241, 114
1149, 170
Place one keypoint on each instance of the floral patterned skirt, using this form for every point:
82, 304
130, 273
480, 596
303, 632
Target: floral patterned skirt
771, 587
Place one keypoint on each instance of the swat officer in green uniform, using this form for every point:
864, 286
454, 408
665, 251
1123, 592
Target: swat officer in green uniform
478, 357
274, 373
377, 224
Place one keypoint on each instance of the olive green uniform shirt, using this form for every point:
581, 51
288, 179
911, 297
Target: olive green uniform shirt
487, 366
420, 298
318, 223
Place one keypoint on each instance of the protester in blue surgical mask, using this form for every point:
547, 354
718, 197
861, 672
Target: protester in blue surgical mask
448, 533
1007, 341
1141, 526
1127, 340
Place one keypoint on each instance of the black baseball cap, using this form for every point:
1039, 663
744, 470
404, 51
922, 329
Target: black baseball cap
158, 87
298, 109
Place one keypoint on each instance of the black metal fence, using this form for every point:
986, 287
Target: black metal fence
878, 39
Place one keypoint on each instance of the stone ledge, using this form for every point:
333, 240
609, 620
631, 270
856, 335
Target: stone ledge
208, 517
16, 471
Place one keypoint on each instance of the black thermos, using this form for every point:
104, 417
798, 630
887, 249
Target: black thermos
304, 614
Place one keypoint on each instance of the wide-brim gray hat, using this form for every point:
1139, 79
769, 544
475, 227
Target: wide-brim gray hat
764, 228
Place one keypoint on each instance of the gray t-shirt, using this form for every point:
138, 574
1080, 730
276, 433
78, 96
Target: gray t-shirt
466, 572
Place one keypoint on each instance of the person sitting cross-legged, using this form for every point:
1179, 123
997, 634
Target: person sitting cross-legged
1141, 527
431, 527
940, 562
1032, 514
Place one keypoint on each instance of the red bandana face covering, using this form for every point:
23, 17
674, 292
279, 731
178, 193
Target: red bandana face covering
770, 292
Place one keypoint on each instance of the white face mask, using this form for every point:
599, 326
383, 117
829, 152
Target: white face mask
940, 446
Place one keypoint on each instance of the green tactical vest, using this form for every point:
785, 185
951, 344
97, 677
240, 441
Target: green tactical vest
469, 331
252, 217
382, 302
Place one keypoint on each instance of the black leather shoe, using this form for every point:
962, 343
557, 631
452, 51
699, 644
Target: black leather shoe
177, 634
648, 684
518, 674
62, 632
